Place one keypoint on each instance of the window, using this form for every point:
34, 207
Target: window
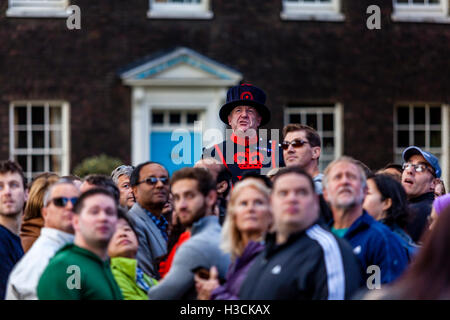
326, 10
421, 11
170, 146
38, 8
39, 137
182, 9
327, 122
418, 125
174, 119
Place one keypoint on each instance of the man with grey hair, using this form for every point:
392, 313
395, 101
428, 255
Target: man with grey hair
378, 249
121, 177
57, 212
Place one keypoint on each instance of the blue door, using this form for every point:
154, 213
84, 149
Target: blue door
175, 151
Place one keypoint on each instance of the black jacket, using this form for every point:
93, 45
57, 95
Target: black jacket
420, 209
312, 265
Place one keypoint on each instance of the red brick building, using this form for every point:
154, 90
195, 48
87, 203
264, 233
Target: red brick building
137, 70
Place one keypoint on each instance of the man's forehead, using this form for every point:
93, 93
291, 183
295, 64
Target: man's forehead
295, 135
244, 106
123, 177
10, 176
343, 166
417, 158
299, 181
101, 200
64, 188
153, 168
184, 185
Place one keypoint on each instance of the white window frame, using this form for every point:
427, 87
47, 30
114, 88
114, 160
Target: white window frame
183, 108
300, 10
418, 12
166, 126
443, 151
337, 111
170, 10
38, 9
63, 152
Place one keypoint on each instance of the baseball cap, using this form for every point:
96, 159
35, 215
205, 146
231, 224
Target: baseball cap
431, 159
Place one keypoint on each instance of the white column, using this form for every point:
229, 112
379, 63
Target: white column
65, 124
339, 130
140, 144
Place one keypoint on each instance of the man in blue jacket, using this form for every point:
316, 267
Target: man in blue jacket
375, 245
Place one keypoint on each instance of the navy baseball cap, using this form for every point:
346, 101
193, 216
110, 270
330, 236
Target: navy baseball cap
431, 159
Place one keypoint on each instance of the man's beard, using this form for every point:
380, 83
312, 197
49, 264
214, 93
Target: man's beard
12, 214
349, 204
96, 243
159, 205
201, 212
99, 244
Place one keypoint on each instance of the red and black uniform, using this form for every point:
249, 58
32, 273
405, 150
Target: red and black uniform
242, 155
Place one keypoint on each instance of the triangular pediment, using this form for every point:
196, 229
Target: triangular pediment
181, 66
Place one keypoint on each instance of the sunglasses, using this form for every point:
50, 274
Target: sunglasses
62, 201
153, 180
297, 143
417, 167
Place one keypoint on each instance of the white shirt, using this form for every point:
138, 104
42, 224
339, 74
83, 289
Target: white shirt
24, 278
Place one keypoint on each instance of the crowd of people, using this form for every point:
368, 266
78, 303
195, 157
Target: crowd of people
263, 223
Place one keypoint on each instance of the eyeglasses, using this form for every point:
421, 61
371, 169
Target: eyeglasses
420, 167
62, 201
153, 180
296, 143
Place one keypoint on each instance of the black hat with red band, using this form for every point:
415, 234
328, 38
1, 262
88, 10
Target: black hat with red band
245, 95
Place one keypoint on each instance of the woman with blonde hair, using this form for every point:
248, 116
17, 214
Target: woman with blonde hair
247, 221
32, 221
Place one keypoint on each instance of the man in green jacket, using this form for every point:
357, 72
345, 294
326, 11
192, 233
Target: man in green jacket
81, 271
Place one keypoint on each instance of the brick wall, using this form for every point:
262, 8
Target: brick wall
294, 61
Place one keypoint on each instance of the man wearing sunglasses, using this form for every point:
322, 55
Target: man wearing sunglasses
150, 184
243, 150
421, 172
57, 212
301, 149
